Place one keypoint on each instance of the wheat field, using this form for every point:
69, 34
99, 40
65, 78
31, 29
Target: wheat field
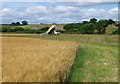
36, 60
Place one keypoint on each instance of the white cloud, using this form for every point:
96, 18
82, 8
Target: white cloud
60, 0
19, 0
114, 10
58, 14
85, 20
37, 10
81, 4
101, 13
63, 9
5, 11
96, 13
114, 13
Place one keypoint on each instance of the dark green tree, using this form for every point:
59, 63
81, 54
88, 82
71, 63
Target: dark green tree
13, 23
24, 22
87, 28
85, 22
17, 23
93, 20
110, 21
101, 26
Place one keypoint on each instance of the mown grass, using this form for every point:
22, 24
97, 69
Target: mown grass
96, 59
94, 64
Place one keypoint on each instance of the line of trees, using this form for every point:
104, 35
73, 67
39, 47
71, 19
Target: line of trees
86, 27
18, 23
24, 30
90, 27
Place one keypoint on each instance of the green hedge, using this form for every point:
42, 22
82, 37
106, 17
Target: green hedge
22, 30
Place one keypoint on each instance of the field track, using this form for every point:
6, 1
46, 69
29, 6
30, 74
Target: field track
36, 60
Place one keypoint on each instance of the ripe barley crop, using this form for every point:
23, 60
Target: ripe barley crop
36, 60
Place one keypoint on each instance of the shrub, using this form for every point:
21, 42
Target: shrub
117, 31
22, 30
44, 29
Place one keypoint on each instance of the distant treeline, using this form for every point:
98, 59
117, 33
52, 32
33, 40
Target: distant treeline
16, 29
86, 27
18, 23
91, 27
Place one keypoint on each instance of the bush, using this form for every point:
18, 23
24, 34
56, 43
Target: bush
61, 31
42, 30
85, 28
22, 30
72, 28
18, 29
116, 31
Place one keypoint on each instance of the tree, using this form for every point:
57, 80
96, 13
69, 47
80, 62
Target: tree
17, 23
54, 23
24, 22
93, 20
85, 22
110, 21
101, 26
72, 28
13, 23
87, 28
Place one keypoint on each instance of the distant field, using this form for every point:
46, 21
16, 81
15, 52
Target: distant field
96, 59
35, 26
36, 60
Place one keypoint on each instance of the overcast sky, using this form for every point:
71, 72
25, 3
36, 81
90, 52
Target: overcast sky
57, 12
